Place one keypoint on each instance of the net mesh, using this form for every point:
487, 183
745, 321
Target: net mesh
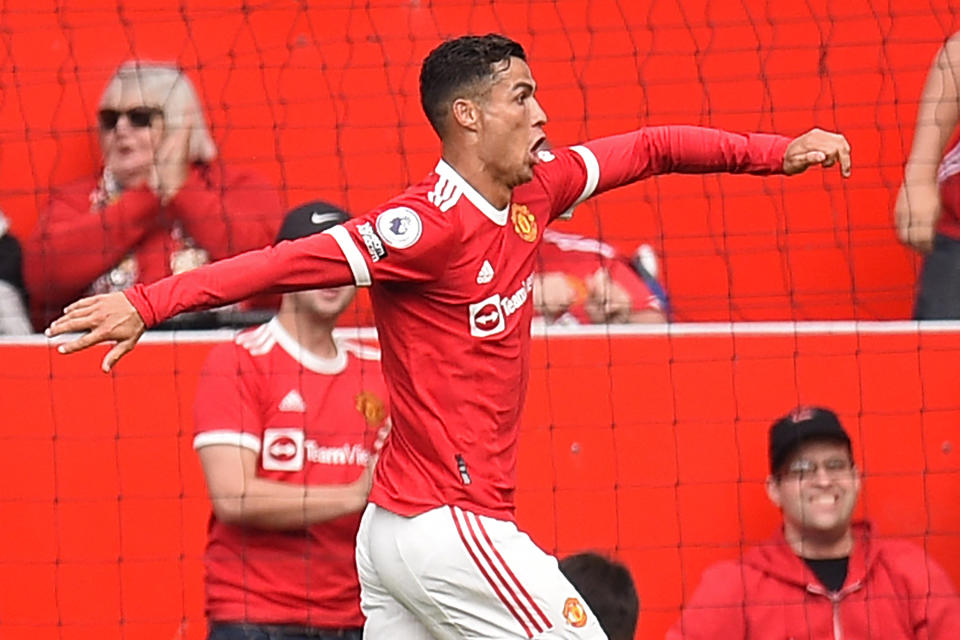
647, 446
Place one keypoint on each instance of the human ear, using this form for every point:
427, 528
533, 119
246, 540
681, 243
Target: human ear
465, 113
773, 490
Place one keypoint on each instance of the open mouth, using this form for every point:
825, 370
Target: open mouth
825, 500
538, 145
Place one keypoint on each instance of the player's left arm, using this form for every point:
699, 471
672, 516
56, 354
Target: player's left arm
606, 163
686, 149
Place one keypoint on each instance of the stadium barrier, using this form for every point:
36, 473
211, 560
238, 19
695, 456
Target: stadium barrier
648, 443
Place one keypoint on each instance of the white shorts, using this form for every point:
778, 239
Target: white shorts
449, 574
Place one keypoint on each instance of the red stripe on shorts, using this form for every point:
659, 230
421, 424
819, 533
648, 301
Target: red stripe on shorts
496, 589
539, 628
533, 603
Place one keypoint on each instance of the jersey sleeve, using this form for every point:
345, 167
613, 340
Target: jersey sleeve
312, 262
402, 242
571, 176
226, 410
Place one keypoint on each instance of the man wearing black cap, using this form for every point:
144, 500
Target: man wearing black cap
285, 419
822, 576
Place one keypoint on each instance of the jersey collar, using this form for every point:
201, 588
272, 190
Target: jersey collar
498, 216
315, 363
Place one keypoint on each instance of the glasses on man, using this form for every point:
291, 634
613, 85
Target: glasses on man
139, 117
835, 468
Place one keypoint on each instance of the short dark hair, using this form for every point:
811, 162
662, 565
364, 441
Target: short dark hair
457, 64
608, 588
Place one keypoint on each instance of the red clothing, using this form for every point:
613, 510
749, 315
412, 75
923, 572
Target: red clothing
893, 591
451, 278
301, 414
578, 258
81, 235
948, 179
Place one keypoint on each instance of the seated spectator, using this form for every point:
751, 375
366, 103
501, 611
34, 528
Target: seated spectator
13, 312
608, 588
821, 576
161, 204
582, 280
288, 424
928, 204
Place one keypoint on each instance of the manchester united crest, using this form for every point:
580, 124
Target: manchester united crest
371, 407
523, 222
574, 612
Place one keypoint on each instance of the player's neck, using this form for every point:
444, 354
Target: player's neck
471, 168
313, 333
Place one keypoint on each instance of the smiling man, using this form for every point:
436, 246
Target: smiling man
823, 576
450, 263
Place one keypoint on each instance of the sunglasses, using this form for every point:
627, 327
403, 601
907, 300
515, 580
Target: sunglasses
138, 117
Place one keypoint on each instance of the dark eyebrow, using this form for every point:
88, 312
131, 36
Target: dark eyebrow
523, 84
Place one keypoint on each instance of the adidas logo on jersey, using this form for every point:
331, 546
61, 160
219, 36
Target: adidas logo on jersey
293, 403
486, 273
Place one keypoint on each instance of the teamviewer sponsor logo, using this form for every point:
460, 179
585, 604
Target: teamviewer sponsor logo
486, 317
283, 449
489, 316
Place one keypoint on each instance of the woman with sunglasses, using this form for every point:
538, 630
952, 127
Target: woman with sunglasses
161, 204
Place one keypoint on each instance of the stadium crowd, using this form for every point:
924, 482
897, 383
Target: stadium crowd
290, 422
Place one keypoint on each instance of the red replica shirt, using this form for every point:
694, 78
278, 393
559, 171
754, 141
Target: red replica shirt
948, 179
451, 280
302, 415
579, 258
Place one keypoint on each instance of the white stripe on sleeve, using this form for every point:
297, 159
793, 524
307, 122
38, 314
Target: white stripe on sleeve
224, 436
361, 275
593, 177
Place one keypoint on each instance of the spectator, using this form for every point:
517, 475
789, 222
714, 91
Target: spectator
283, 419
928, 205
161, 205
608, 588
13, 314
822, 576
582, 280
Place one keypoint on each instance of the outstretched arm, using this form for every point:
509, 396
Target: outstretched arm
308, 263
918, 203
607, 163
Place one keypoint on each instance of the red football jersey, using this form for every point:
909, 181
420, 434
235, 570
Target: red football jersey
948, 180
578, 258
451, 280
302, 415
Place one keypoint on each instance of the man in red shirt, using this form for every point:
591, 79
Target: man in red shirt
822, 576
450, 264
284, 417
583, 280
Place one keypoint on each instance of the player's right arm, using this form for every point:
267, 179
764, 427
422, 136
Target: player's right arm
414, 247
918, 202
312, 262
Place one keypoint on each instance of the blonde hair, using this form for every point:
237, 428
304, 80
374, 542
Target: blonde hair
164, 85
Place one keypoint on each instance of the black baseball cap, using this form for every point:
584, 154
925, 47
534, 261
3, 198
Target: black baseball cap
310, 218
802, 425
